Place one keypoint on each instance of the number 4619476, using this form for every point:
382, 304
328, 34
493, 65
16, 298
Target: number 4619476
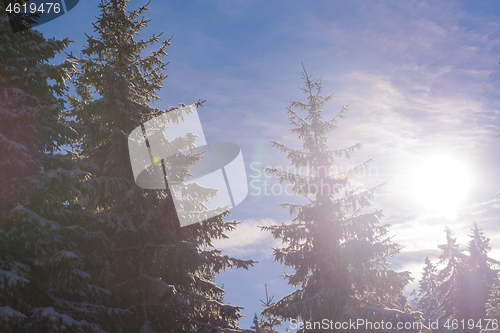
453, 324
32, 8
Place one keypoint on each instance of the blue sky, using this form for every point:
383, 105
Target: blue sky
421, 80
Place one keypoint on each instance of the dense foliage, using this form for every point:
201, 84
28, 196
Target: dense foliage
464, 289
335, 243
44, 285
162, 273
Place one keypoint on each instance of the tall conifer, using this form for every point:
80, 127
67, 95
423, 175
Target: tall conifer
162, 273
452, 281
335, 242
483, 277
44, 286
493, 303
427, 294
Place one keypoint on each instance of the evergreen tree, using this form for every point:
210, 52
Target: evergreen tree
30, 123
482, 276
494, 300
256, 326
493, 303
427, 301
43, 283
493, 310
414, 301
268, 321
338, 250
18, 21
452, 292
498, 137
162, 273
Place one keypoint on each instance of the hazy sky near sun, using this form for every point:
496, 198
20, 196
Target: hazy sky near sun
421, 79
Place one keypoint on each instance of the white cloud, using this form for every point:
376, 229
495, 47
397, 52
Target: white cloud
247, 240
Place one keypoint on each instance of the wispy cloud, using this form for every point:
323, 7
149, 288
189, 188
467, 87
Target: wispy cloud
247, 240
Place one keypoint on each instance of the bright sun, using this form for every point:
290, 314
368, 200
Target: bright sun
440, 184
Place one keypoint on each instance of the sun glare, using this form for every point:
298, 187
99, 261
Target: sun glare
440, 184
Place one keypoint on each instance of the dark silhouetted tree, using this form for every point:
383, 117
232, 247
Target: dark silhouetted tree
162, 273
44, 285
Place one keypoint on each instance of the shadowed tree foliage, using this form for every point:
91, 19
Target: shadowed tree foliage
44, 286
162, 273
30, 110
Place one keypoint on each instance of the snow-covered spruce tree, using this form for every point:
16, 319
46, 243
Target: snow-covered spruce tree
43, 283
493, 303
427, 297
162, 273
267, 320
452, 290
414, 301
498, 137
482, 277
338, 249
30, 108
255, 326
493, 310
